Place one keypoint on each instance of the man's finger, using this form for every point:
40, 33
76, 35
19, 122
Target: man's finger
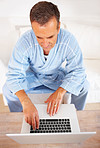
57, 108
30, 120
48, 107
37, 121
33, 123
51, 109
54, 108
26, 119
47, 100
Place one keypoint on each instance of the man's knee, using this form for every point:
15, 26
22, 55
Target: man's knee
12, 100
85, 88
67, 98
6, 92
80, 100
4, 89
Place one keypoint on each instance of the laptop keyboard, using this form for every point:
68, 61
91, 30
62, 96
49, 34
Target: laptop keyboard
53, 126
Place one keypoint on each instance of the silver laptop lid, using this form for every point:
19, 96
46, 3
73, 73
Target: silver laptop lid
66, 111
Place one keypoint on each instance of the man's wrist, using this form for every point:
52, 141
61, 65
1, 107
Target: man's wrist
25, 100
61, 90
23, 97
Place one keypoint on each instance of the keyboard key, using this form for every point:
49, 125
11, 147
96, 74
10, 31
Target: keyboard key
53, 126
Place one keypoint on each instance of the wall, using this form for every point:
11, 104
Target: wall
67, 7
12, 13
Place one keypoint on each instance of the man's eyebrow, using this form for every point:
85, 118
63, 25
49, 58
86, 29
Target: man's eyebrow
50, 36
47, 37
39, 37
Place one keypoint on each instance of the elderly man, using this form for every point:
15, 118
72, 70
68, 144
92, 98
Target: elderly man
36, 66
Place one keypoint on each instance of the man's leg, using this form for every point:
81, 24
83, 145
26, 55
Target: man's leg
80, 100
12, 100
14, 103
67, 98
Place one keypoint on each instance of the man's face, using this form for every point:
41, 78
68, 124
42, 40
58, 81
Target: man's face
46, 34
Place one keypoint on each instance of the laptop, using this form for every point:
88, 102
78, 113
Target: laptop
63, 127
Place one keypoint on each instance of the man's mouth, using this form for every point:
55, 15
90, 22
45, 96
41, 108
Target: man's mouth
46, 47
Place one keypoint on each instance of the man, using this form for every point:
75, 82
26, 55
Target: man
36, 66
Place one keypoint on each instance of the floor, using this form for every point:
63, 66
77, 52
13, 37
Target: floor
89, 106
3, 108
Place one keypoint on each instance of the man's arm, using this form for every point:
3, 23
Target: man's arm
30, 111
55, 100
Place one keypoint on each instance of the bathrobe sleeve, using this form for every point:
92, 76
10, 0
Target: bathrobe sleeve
18, 64
74, 70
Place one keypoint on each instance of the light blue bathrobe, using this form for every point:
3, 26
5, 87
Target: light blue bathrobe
28, 68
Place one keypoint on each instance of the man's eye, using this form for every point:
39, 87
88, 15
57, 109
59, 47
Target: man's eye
50, 37
39, 37
47, 37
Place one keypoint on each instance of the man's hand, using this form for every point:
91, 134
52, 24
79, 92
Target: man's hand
31, 114
30, 111
54, 101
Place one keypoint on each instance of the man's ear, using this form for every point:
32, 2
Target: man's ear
59, 27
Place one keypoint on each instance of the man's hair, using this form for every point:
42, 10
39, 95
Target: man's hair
43, 11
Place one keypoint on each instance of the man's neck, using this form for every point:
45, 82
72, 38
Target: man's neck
46, 52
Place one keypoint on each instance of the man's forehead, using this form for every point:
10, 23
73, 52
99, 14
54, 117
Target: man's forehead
51, 24
46, 34
48, 29
52, 19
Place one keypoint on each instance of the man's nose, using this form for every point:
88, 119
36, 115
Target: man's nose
45, 42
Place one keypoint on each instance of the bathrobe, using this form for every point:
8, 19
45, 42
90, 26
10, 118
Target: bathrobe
28, 68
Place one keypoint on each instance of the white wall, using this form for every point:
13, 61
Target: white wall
85, 8
82, 18
12, 13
